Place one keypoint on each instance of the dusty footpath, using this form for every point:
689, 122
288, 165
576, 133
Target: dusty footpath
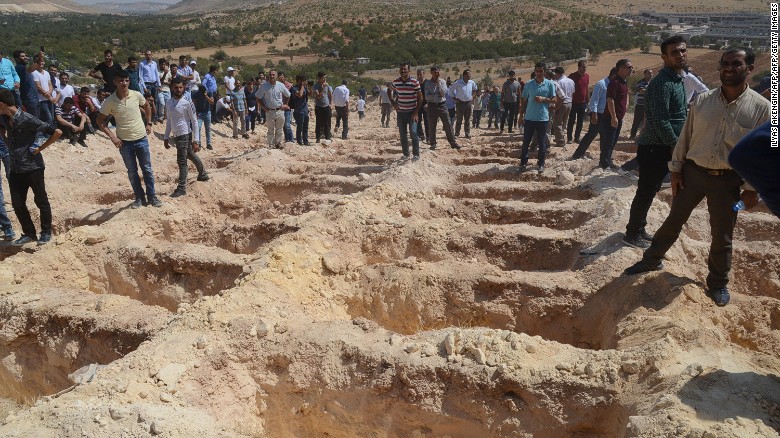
333, 290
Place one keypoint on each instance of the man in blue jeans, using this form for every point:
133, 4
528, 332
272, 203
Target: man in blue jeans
130, 138
535, 114
203, 100
407, 100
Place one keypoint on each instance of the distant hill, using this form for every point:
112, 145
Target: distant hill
130, 8
43, 6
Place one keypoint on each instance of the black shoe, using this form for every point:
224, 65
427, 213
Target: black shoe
433, 147
73, 141
456, 146
641, 267
306, 143
9, 235
468, 135
44, 239
156, 202
541, 168
176, 193
209, 147
719, 295
138, 203
82, 143
23, 240
245, 135
204, 177
644, 235
636, 241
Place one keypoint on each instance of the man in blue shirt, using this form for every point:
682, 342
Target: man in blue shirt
150, 77
9, 78
598, 101
535, 114
210, 82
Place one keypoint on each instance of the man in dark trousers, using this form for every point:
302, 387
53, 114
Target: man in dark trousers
617, 103
700, 169
666, 110
19, 131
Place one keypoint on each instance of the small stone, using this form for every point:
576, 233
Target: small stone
709, 434
143, 394
107, 161
449, 344
428, 350
396, 340
259, 330
478, 355
530, 348
166, 397
171, 373
155, 428
565, 178
590, 370
412, 348
333, 263
630, 367
117, 413
563, 366
694, 370
201, 343
363, 176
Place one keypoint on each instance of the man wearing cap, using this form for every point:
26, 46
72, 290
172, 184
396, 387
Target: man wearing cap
435, 90
230, 79
273, 96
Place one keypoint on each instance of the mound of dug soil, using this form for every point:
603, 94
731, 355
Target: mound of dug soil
334, 290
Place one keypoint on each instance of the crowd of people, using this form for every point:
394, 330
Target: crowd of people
683, 130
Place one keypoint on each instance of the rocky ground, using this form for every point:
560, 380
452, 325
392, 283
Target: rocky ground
333, 290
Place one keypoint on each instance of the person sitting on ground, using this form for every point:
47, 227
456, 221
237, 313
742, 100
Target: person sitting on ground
19, 132
88, 106
71, 122
224, 109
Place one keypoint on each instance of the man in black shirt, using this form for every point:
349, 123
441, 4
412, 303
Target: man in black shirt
203, 101
19, 131
108, 69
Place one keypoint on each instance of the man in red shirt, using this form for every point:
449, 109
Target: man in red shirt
579, 101
617, 101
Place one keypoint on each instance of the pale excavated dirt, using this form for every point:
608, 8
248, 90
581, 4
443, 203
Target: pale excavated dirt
333, 291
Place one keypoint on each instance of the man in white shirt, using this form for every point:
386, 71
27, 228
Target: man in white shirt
341, 102
230, 79
563, 109
386, 105
195, 75
43, 84
185, 73
183, 124
65, 89
463, 91
272, 97
693, 86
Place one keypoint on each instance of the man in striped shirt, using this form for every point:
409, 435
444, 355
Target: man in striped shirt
407, 100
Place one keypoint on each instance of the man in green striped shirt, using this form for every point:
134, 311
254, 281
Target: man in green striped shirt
665, 110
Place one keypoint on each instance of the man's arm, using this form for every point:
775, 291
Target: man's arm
209, 98
52, 138
194, 127
613, 115
330, 96
94, 74
102, 120
148, 112
169, 111
521, 113
419, 104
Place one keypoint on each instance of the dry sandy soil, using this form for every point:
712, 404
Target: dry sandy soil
332, 290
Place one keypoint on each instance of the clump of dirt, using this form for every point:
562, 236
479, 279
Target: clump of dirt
335, 290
